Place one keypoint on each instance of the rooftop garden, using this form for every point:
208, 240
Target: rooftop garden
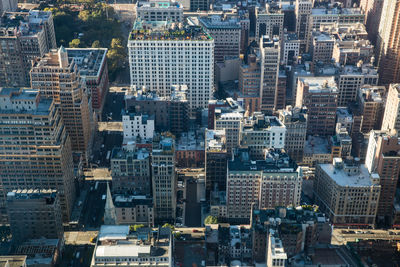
187, 33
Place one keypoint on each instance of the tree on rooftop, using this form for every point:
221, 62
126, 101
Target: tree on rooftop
210, 220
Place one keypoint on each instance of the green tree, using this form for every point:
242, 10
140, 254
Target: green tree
135, 227
116, 55
75, 43
168, 225
210, 220
96, 44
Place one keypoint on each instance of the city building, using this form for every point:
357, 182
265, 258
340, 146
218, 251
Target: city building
347, 193
8, 6
215, 160
291, 49
270, 21
57, 76
260, 132
167, 54
170, 113
303, 10
272, 182
190, 151
160, 11
321, 47
164, 178
93, 70
391, 117
316, 150
15, 260
130, 170
295, 121
24, 36
249, 83
226, 34
319, 95
234, 243
371, 101
388, 45
276, 255
231, 122
351, 78
300, 229
199, 5
372, 10
41, 252
25, 210
270, 58
137, 126
134, 210
116, 245
383, 157
35, 150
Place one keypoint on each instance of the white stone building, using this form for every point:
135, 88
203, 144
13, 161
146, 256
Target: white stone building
137, 125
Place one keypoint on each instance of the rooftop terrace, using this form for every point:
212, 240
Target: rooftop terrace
167, 31
89, 60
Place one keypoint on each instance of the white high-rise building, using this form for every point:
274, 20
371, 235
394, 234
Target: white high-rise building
162, 54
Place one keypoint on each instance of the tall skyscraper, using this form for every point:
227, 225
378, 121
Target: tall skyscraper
319, 95
162, 54
23, 37
391, 117
303, 12
56, 76
270, 21
270, 56
164, 178
388, 43
383, 157
35, 150
34, 214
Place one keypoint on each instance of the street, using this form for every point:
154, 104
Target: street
93, 211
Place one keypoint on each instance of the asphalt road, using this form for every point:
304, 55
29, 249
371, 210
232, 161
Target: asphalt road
93, 210
193, 209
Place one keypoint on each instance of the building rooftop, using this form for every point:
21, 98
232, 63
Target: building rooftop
316, 145
144, 117
12, 261
190, 141
159, 4
277, 250
121, 201
216, 22
126, 154
292, 114
215, 140
29, 194
350, 174
320, 84
336, 11
23, 23
167, 31
39, 251
260, 122
276, 160
89, 60
14, 96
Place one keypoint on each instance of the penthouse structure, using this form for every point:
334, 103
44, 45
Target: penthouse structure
25, 210
215, 160
270, 21
24, 37
35, 150
295, 121
226, 34
170, 113
347, 192
319, 95
272, 182
130, 170
92, 67
262, 132
164, 178
116, 245
160, 11
57, 76
179, 55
